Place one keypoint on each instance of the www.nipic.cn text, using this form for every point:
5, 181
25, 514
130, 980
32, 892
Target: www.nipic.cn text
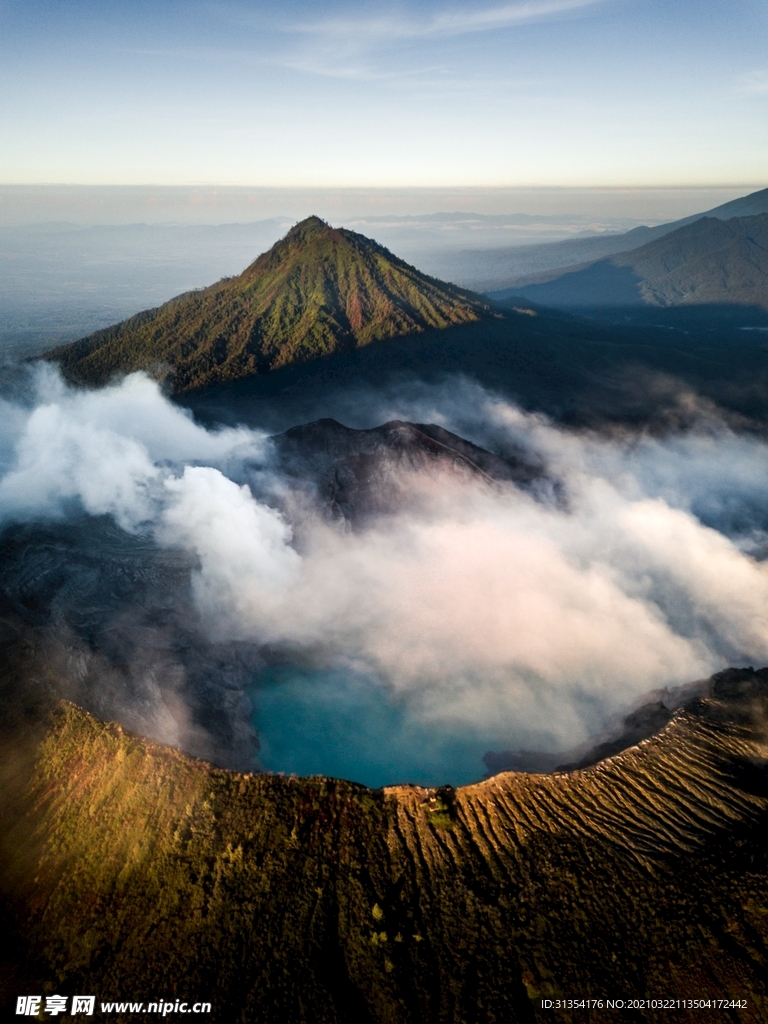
32, 1006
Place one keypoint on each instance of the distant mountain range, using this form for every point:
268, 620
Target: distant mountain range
706, 260
316, 292
495, 270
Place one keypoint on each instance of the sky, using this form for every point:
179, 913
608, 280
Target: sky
301, 94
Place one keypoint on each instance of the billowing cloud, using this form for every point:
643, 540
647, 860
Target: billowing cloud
482, 606
101, 449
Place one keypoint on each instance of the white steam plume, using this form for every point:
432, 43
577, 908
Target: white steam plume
485, 607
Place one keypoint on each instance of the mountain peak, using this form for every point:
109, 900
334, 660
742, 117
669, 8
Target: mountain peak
317, 291
310, 227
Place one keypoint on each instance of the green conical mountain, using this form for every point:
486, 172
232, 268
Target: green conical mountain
318, 291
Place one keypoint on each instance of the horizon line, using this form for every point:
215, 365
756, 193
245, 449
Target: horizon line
383, 188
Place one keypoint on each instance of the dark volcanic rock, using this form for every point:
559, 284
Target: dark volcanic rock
642, 723
360, 473
109, 622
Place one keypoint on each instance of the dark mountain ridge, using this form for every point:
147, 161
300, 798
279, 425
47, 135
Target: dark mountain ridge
707, 261
318, 291
499, 270
356, 474
581, 372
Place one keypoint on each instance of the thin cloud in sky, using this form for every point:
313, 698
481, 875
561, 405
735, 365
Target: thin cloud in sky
447, 23
343, 46
501, 17
755, 82
339, 46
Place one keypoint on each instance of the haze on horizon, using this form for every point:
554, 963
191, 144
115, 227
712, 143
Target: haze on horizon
530, 92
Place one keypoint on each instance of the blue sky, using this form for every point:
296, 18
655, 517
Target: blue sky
531, 92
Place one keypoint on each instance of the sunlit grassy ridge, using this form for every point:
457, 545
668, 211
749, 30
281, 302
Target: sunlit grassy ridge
131, 868
318, 291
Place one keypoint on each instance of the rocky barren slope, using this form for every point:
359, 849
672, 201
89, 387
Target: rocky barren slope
129, 868
359, 474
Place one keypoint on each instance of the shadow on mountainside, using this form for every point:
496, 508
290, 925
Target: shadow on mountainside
600, 284
640, 367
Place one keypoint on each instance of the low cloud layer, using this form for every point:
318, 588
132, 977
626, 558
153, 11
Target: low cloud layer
522, 617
